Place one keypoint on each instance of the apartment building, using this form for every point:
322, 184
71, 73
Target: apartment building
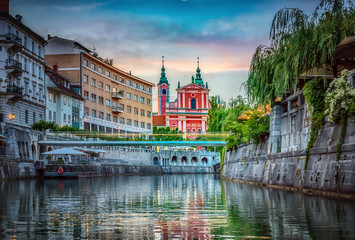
63, 105
22, 85
115, 101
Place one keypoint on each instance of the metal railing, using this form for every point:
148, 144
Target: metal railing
13, 63
11, 36
14, 89
117, 109
117, 95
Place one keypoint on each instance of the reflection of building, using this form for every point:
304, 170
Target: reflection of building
64, 105
189, 111
22, 85
116, 101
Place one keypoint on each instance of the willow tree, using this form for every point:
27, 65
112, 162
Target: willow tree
299, 42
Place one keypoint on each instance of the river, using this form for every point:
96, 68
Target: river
167, 207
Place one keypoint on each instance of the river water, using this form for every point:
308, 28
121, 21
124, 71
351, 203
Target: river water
167, 207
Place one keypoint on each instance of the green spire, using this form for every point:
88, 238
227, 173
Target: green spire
178, 84
192, 79
163, 78
198, 79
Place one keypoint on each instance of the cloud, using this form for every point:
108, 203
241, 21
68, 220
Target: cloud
77, 8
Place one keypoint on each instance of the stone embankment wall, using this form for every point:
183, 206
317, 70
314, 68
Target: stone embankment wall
253, 163
17, 170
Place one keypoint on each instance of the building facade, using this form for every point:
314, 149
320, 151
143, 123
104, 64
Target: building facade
22, 85
115, 101
189, 111
63, 105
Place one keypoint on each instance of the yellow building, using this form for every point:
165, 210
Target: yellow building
116, 101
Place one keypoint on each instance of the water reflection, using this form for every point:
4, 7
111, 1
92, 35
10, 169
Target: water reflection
166, 207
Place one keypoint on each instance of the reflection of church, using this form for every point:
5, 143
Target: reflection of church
189, 110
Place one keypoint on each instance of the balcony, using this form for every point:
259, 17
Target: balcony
14, 66
13, 37
14, 92
117, 109
117, 95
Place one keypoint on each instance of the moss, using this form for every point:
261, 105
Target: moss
314, 92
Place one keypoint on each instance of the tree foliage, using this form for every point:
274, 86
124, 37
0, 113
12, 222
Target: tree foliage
299, 42
167, 134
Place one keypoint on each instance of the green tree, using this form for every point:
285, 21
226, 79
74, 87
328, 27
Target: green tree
299, 43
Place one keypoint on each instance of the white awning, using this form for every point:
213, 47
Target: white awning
64, 151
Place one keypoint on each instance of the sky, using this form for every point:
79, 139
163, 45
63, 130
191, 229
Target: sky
137, 33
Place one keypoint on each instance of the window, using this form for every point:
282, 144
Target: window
135, 85
50, 114
149, 90
135, 98
50, 97
129, 122
149, 102
101, 70
149, 126
129, 109
115, 119
86, 95
108, 117
114, 89
93, 66
108, 88
34, 117
33, 46
54, 115
86, 62
101, 115
93, 82
69, 101
25, 64
65, 100
142, 99
33, 69
129, 95
101, 100
142, 112
114, 104
193, 103
86, 111
163, 91
54, 98
64, 117
121, 79
122, 106
39, 51
93, 97
135, 123
149, 114
136, 111
142, 87
101, 85
121, 120
25, 42
108, 102
114, 76
129, 82
69, 118
142, 125
108, 74
85, 78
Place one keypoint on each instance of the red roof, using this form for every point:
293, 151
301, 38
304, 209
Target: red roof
62, 83
158, 120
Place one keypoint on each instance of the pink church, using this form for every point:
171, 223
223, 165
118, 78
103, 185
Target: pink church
189, 110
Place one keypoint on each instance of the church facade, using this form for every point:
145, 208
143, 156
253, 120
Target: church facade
189, 111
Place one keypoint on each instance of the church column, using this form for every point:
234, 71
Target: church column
179, 125
184, 126
167, 123
203, 100
206, 100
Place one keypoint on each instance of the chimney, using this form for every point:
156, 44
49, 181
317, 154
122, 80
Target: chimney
4, 6
55, 69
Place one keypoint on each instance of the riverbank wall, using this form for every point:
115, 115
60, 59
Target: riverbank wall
285, 165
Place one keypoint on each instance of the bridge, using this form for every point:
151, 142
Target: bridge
132, 143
